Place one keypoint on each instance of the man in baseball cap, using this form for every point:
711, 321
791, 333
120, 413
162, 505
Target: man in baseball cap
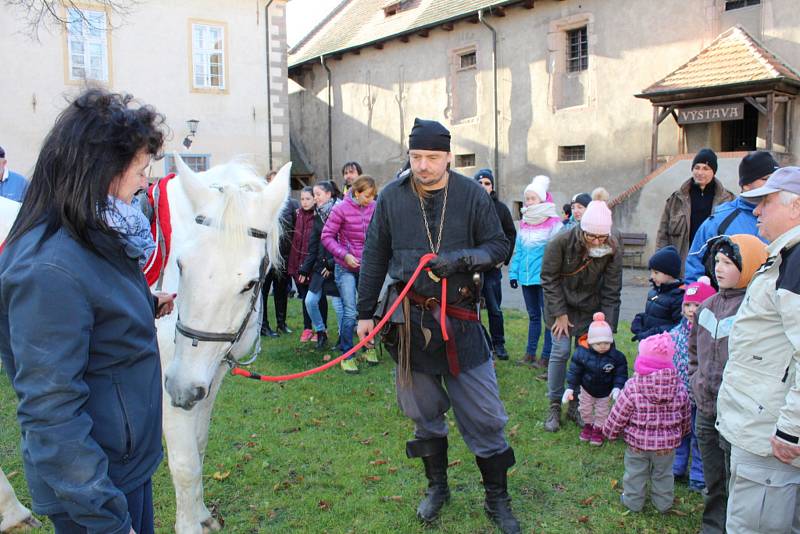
776, 199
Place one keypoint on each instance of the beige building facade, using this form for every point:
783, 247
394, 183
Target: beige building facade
193, 60
560, 76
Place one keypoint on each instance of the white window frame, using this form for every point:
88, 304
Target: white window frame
88, 28
201, 54
170, 165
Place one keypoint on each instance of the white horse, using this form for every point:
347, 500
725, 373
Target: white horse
215, 268
225, 227
14, 517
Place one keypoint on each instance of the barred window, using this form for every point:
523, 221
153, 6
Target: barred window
87, 45
208, 56
736, 4
572, 153
577, 50
465, 160
470, 59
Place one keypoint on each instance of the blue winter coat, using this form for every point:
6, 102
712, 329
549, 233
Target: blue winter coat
526, 263
743, 223
663, 311
84, 363
597, 373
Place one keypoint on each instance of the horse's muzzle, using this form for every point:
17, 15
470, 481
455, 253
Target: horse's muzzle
185, 398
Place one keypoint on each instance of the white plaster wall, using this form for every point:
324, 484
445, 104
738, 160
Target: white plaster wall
149, 59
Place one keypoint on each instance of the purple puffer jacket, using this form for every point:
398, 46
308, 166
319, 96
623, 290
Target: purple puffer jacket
346, 229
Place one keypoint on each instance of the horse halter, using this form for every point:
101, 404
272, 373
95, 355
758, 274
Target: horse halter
231, 337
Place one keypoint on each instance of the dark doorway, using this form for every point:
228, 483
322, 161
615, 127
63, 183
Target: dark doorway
741, 135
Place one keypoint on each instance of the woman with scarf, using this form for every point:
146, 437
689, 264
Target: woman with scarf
83, 358
581, 274
540, 222
318, 266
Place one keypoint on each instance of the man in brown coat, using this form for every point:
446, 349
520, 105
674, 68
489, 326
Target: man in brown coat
691, 204
581, 275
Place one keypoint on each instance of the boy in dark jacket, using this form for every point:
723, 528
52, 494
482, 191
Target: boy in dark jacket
600, 370
664, 307
733, 261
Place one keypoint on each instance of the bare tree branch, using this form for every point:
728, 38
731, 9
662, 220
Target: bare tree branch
50, 14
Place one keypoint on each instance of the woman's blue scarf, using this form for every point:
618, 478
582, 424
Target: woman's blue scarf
132, 226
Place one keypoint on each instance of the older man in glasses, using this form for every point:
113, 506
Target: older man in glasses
581, 275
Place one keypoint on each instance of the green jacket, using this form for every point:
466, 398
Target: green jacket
577, 285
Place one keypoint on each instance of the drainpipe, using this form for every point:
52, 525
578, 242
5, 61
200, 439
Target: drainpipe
330, 120
496, 118
269, 87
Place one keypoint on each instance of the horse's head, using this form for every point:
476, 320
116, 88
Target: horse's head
236, 228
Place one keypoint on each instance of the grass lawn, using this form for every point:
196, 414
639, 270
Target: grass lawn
327, 454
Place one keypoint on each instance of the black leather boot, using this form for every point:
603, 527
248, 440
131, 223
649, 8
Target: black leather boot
322, 340
434, 456
495, 481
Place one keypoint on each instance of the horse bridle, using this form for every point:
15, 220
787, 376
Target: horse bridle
230, 337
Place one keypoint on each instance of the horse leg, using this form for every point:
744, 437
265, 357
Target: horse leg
210, 524
187, 434
15, 517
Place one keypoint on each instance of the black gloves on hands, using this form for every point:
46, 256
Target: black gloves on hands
466, 260
514, 284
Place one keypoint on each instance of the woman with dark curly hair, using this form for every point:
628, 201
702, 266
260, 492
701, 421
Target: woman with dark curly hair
83, 358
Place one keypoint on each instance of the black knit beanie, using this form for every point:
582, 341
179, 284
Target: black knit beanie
667, 260
485, 173
756, 165
429, 135
582, 198
707, 156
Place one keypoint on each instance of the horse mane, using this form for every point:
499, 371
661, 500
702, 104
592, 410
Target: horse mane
237, 180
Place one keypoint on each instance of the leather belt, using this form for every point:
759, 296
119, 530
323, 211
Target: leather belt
434, 306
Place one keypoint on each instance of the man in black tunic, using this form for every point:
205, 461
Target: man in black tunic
431, 209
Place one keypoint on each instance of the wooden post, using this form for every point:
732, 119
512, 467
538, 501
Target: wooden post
770, 119
654, 141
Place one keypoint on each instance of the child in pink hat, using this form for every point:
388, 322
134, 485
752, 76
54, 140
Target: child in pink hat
652, 413
694, 295
600, 371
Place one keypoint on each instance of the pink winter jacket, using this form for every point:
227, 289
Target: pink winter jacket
652, 412
346, 230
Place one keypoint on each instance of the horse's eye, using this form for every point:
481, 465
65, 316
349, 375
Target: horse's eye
250, 285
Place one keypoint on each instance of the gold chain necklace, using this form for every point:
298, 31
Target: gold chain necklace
435, 249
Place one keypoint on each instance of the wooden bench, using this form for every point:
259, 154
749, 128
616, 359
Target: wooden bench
633, 246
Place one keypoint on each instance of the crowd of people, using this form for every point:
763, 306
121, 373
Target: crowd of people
713, 399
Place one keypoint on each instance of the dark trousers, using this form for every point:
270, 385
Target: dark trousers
140, 508
493, 294
302, 290
716, 452
278, 281
534, 303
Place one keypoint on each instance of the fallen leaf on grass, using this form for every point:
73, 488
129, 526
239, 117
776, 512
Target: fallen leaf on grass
251, 444
675, 511
392, 498
377, 452
614, 483
587, 501
454, 463
12, 474
385, 433
316, 422
583, 519
326, 358
378, 462
247, 457
559, 488
218, 475
366, 441
324, 505
372, 478
392, 470
513, 432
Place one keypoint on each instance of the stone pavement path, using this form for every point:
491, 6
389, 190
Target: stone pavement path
634, 293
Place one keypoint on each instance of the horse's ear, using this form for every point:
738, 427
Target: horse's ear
198, 193
276, 192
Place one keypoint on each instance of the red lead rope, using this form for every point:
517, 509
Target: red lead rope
423, 261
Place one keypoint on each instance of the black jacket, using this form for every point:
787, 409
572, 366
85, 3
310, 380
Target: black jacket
507, 222
597, 373
287, 216
397, 239
319, 258
662, 312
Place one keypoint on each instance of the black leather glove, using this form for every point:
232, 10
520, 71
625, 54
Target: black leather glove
514, 284
455, 261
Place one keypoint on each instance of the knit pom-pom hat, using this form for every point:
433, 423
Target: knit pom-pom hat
600, 330
539, 185
699, 291
655, 353
597, 218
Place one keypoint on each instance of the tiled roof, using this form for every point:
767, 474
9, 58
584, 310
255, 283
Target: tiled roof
355, 23
734, 57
